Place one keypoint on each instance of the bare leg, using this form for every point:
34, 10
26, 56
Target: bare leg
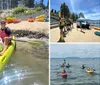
6, 43
81, 29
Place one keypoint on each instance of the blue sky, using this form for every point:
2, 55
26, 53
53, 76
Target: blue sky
90, 8
74, 50
45, 1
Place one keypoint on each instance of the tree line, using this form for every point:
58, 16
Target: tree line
65, 13
8, 4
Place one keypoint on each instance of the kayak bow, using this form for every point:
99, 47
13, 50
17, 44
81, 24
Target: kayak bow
6, 56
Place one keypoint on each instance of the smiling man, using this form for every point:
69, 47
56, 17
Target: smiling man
5, 37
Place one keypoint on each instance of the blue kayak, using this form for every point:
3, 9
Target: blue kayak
97, 33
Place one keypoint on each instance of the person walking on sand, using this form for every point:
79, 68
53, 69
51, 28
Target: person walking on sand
81, 26
5, 36
61, 27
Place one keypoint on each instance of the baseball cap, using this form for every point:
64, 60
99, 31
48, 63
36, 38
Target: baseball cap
3, 22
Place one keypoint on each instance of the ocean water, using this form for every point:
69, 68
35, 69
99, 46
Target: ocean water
95, 22
76, 75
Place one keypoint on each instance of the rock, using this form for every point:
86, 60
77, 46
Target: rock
6, 13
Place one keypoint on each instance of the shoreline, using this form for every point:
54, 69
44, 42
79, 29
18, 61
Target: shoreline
30, 35
75, 35
30, 30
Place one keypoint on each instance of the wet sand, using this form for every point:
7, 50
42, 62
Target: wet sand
75, 35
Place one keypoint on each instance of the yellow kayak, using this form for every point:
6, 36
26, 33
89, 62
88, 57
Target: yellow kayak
89, 71
96, 28
6, 56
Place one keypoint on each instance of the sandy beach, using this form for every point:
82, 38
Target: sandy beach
32, 26
75, 35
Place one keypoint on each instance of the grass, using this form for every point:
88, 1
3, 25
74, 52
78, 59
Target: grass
22, 11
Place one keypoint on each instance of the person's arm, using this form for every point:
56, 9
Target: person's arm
9, 32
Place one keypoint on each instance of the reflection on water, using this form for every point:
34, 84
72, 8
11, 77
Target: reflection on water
24, 69
14, 73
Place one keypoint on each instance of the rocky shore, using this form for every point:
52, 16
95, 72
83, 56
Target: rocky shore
29, 34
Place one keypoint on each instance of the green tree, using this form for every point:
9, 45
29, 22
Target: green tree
77, 16
64, 11
41, 2
14, 3
81, 15
73, 16
28, 3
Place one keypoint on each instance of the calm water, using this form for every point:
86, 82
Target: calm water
76, 75
24, 68
95, 22
92, 22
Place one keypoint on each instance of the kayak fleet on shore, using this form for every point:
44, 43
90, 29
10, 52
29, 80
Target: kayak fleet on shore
40, 18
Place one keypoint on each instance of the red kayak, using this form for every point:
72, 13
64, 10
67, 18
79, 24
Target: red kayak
64, 74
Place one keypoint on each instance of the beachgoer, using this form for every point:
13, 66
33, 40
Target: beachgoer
61, 26
81, 26
5, 36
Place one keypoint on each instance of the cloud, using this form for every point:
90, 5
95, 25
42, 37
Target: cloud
83, 11
94, 16
96, 9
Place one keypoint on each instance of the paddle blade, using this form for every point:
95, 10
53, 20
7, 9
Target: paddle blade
36, 42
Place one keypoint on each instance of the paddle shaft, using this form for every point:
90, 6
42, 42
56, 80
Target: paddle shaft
20, 40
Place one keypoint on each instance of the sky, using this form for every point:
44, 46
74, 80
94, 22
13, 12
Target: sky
90, 8
45, 1
74, 50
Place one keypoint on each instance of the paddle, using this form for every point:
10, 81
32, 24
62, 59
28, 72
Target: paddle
34, 42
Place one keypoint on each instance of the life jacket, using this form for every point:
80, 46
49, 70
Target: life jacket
3, 34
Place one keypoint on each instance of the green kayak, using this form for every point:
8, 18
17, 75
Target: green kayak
6, 56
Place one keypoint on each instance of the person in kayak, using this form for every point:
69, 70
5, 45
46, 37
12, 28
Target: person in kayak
64, 62
64, 71
5, 36
83, 66
68, 65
